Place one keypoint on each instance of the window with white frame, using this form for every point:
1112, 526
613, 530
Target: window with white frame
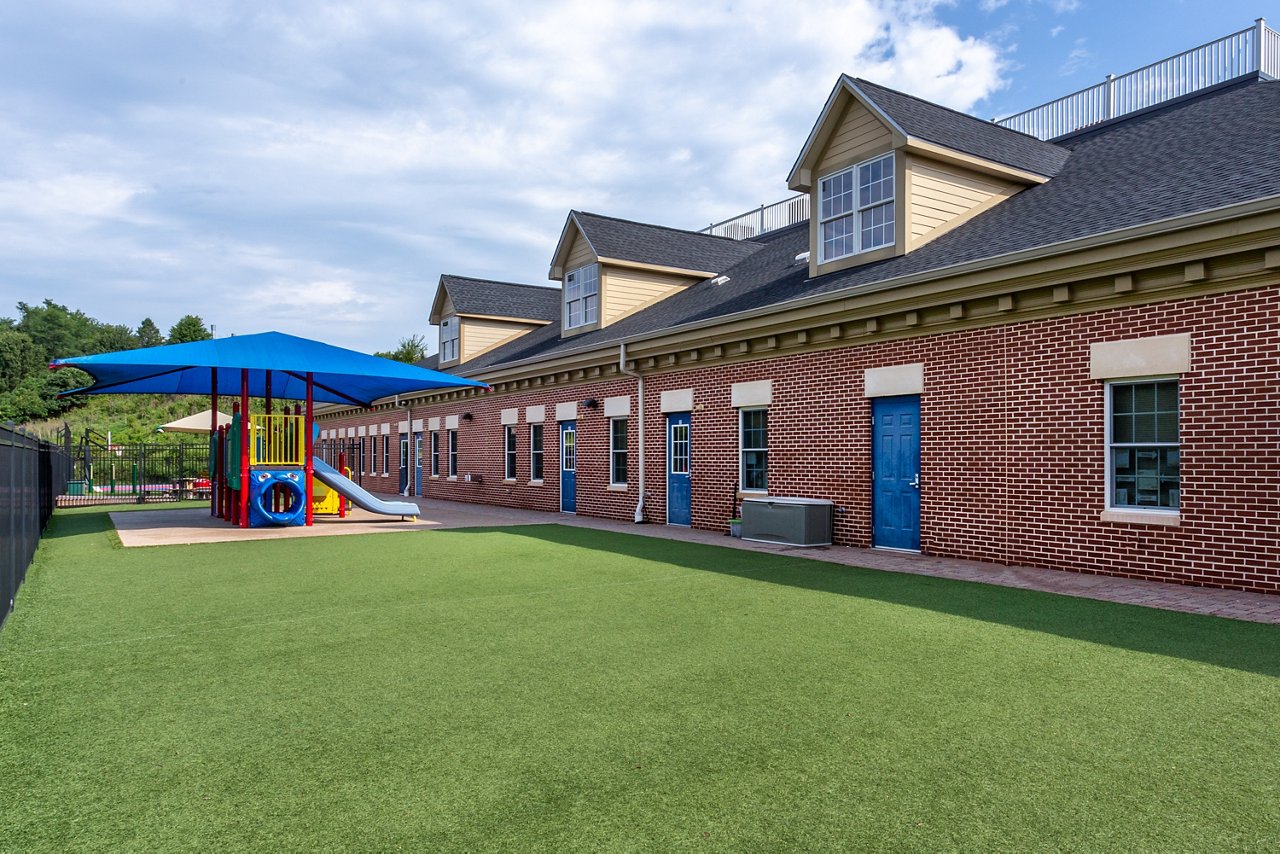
535, 452
1142, 444
435, 453
582, 296
450, 332
753, 435
618, 451
510, 438
453, 453
386, 453
856, 208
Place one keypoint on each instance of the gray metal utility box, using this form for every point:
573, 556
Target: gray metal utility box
790, 521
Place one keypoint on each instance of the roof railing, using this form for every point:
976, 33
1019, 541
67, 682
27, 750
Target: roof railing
763, 219
1255, 50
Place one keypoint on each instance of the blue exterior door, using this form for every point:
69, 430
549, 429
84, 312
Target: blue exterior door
679, 453
404, 463
895, 472
569, 466
417, 463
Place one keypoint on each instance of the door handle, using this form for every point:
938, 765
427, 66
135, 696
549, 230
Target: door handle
915, 481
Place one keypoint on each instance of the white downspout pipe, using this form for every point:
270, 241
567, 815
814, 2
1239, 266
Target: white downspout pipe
622, 366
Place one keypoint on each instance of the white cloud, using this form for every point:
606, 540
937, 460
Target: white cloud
304, 163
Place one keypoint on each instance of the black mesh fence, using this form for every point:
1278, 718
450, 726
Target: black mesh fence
33, 473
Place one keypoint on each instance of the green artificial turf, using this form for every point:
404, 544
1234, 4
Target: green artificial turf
557, 688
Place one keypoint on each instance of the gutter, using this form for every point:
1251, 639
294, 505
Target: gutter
622, 366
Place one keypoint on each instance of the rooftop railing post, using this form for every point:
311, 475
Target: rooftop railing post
1110, 110
1259, 44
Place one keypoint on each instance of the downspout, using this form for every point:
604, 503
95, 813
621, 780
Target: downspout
622, 366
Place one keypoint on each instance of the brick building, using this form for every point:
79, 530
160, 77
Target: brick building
1060, 352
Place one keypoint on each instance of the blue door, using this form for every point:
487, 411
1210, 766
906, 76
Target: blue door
417, 463
895, 472
678, 454
569, 466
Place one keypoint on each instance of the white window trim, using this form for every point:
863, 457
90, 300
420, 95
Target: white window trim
541, 452
856, 213
1125, 513
581, 297
433, 451
454, 339
510, 451
453, 454
616, 484
742, 452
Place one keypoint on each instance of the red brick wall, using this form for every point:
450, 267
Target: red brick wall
1012, 458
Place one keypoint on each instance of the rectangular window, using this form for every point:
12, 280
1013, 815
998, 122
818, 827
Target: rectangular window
453, 453
386, 453
856, 208
450, 332
435, 453
754, 444
511, 452
1142, 444
535, 452
618, 451
582, 296
373, 455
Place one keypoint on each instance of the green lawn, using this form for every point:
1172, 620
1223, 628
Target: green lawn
557, 688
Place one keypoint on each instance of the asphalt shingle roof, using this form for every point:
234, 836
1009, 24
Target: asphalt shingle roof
656, 244
955, 130
1205, 153
502, 299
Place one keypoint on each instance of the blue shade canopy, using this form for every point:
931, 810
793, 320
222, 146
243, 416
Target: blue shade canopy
340, 376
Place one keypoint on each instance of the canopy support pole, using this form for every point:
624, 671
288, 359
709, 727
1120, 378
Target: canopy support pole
268, 392
310, 419
213, 455
244, 447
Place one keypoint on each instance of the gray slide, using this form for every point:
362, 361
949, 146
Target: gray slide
362, 498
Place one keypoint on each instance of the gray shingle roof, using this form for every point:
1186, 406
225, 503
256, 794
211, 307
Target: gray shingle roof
1206, 153
656, 244
955, 130
502, 299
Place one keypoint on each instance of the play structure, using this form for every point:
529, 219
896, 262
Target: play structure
262, 468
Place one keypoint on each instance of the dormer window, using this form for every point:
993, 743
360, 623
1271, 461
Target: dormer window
857, 209
450, 331
582, 296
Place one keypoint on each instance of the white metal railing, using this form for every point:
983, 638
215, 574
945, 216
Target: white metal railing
763, 219
1250, 51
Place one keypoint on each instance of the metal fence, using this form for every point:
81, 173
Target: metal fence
1249, 51
763, 219
146, 473
33, 473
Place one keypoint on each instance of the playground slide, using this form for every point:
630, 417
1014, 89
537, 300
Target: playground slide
330, 477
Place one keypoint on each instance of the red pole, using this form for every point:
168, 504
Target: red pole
306, 425
222, 472
342, 470
244, 447
213, 433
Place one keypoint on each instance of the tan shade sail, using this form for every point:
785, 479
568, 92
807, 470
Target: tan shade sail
198, 423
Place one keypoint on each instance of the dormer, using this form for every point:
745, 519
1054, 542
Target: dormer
887, 172
476, 315
611, 268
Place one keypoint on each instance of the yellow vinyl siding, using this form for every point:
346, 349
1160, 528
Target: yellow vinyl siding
579, 255
940, 197
858, 135
626, 291
479, 336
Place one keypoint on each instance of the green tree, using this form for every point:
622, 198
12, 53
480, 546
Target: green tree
57, 330
409, 350
149, 335
188, 328
113, 337
19, 358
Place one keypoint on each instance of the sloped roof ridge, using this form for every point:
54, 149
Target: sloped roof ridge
497, 282
684, 231
962, 113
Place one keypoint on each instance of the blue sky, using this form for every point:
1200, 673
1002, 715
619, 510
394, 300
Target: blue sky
313, 167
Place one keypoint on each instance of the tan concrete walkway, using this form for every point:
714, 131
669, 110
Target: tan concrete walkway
187, 526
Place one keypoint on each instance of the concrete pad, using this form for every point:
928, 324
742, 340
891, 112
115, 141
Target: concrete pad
183, 527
